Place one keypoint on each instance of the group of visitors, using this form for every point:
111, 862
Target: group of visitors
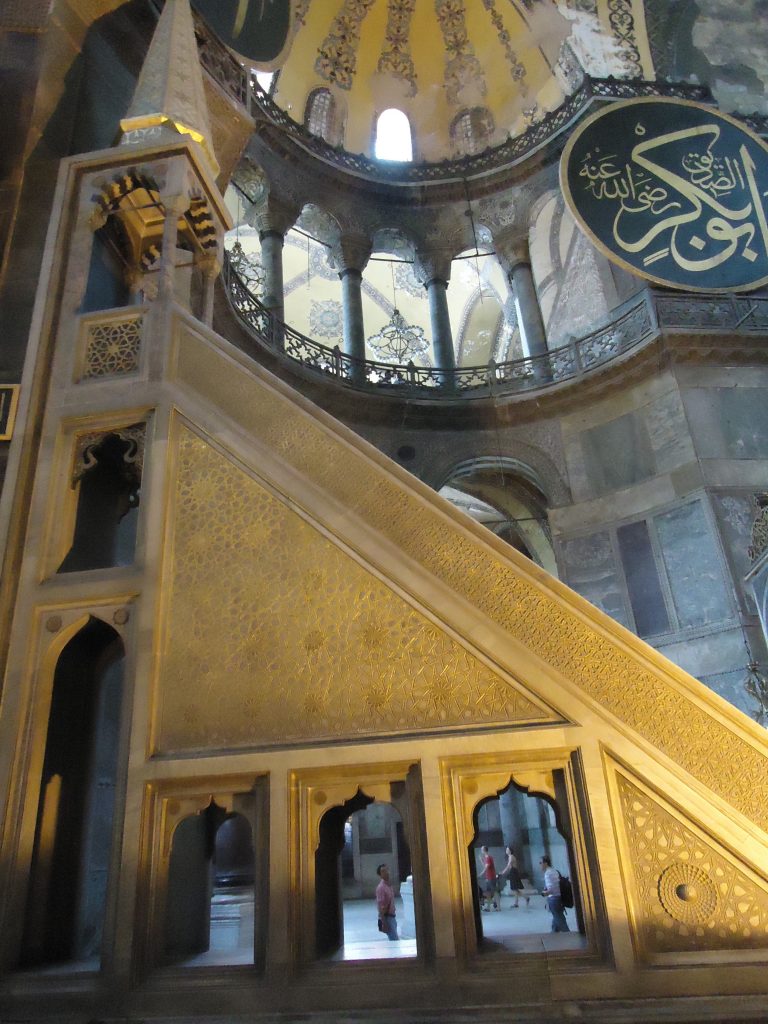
492, 885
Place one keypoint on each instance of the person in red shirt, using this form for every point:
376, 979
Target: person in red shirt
490, 894
385, 902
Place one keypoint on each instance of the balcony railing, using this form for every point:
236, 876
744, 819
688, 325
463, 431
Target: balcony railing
635, 322
241, 84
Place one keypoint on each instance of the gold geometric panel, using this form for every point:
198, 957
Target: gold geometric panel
605, 668
277, 635
688, 894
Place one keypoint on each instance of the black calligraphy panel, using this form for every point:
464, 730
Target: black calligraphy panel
674, 191
256, 29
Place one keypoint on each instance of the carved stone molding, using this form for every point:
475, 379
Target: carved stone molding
351, 252
689, 893
87, 451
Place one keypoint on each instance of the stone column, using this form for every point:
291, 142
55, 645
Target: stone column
273, 219
175, 207
210, 268
272, 262
434, 269
351, 254
515, 258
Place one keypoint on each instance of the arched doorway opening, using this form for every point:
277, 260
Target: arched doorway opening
72, 853
209, 912
517, 834
506, 497
356, 839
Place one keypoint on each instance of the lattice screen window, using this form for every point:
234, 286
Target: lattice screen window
320, 116
471, 130
112, 346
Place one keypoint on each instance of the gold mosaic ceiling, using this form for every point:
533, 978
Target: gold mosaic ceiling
431, 58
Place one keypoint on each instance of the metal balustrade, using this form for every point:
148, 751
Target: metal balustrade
635, 322
632, 323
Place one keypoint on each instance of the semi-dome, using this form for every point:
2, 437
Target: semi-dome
466, 73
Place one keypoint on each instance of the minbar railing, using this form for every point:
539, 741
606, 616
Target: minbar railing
637, 321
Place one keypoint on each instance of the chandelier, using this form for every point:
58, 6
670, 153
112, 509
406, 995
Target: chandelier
248, 268
398, 341
756, 686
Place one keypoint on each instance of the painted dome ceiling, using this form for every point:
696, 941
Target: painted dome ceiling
436, 60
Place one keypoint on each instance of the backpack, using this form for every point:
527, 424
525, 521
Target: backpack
566, 891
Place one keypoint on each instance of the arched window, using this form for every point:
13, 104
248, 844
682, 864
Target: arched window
320, 115
471, 130
393, 136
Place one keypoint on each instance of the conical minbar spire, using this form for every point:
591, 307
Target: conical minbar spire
170, 94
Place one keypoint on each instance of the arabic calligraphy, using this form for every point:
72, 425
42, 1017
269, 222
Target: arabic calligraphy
674, 186
256, 29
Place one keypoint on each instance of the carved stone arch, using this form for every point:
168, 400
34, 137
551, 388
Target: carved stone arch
520, 458
398, 241
540, 202
64, 626
110, 192
317, 220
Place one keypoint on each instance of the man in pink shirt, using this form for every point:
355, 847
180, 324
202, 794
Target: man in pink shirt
385, 901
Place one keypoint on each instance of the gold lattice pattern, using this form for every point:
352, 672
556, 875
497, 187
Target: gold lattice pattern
688, 894
112, 347
275, 634
605, 672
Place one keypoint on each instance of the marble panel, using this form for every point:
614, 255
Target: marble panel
668, 432
695, 572
617, 454
735, 513
590, 568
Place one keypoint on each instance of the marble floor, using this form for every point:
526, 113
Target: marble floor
522, 929
526, 929
363, 940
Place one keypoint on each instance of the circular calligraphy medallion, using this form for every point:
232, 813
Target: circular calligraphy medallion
687, 893
673, 191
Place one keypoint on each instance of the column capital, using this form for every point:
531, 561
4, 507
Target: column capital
512, 250
177, 203
433, 265
210, 265
351, 252
273, 216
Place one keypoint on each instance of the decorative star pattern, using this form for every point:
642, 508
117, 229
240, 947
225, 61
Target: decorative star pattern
276, 635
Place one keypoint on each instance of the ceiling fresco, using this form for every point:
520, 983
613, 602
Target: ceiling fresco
430, 59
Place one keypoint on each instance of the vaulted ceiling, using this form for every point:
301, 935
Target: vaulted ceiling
431, 60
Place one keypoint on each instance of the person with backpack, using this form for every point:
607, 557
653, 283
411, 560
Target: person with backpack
554, 898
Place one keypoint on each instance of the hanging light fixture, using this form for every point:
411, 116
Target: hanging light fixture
248, 268
756, 686
398, 341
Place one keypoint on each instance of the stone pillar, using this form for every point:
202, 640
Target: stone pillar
210, 268
352, 306
434, 270
442, 336
515, 258
350, 255
272, 262
175, 207
273, 219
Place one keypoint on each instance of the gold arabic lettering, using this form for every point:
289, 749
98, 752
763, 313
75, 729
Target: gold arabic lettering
708, 205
